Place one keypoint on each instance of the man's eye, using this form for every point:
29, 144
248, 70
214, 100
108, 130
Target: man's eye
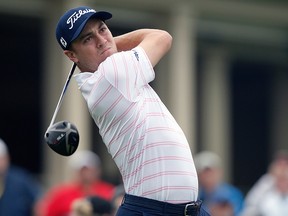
103, 29
87, 39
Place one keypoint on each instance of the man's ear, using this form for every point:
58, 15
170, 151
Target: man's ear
71, 55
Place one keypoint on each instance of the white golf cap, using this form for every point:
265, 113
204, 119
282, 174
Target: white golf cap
3, 148
84, 158
207, 160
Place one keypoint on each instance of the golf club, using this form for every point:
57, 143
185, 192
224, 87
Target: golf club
63, 136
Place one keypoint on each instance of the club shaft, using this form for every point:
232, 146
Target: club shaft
62, 94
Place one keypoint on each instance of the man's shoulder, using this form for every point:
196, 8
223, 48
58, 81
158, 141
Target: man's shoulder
229, 189
19, 173
134, 52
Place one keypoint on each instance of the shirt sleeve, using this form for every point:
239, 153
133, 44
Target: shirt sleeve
129, 72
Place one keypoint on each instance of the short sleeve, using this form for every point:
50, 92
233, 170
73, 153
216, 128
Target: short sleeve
129, 72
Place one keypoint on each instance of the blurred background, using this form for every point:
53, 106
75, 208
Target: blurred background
225, 80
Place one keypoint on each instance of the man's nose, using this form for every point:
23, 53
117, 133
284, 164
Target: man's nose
101, 41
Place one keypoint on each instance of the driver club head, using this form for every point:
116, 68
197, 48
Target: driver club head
63, 138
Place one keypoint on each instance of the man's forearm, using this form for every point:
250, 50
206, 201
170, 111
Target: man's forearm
132, 39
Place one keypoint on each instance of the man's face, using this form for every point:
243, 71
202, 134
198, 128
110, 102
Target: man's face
209, 178
4, 163
93, 46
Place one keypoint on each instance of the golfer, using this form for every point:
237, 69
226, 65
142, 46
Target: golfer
143, 138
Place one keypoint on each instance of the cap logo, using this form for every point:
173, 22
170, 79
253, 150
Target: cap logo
76, 15
63, 42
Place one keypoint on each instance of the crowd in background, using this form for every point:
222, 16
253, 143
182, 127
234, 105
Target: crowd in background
86, 194
268, 196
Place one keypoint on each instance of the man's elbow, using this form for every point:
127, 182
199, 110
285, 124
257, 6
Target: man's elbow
167, 39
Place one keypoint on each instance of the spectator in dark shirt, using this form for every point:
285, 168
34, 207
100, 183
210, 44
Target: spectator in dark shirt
18, 189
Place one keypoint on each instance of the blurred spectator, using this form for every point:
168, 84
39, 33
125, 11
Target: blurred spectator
269, 195
118, 197
221, 205
86, 181
18, 189
91, 206
217, 195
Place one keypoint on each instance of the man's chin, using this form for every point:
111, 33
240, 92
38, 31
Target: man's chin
106, 54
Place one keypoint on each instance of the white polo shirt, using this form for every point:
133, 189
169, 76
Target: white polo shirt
143, 138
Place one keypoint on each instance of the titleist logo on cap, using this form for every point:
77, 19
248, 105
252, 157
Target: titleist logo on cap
75, 16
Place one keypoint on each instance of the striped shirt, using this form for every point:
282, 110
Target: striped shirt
143, 138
